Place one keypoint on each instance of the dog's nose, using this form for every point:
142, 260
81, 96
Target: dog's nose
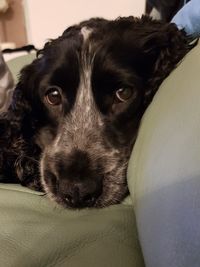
74, 199
82, 196
78, 177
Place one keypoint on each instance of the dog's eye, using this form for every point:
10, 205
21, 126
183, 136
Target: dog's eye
124, 94
53, 96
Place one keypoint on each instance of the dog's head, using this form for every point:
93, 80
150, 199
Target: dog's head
83, 98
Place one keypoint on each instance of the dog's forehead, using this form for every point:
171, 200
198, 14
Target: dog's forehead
86, 32
96, 37
110, 39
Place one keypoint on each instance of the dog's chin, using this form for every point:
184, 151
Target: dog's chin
99, 203
107, 198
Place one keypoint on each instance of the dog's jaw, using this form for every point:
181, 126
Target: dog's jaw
114, 182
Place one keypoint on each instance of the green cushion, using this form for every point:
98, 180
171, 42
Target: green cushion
36, 232
164, 170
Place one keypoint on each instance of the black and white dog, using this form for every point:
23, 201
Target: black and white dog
76, 109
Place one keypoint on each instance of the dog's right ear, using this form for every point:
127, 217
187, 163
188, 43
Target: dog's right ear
163, 46
151, 48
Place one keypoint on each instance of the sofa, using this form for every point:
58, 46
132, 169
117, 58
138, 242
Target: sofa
164, 170
156, 226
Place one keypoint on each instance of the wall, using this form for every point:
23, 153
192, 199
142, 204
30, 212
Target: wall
48, 18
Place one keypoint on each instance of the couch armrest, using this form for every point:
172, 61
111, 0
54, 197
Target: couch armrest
164, 171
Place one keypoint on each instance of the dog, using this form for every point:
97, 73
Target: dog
76, 109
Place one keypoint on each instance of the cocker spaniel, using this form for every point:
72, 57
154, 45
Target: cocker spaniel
75, 112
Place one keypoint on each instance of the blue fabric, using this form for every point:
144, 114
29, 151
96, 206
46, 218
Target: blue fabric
188, 18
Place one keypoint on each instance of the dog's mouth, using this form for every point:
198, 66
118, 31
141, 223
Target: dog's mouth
85, 195
77, 203
77, 199
79, 194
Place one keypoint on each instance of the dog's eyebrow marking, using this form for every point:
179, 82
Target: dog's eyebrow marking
84, 96
85, 31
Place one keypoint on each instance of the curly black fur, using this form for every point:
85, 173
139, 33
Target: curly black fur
148, 49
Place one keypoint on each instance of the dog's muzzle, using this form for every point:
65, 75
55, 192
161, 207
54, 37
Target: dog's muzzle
77, 181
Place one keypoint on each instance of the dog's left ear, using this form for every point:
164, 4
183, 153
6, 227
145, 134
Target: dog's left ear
163, 46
